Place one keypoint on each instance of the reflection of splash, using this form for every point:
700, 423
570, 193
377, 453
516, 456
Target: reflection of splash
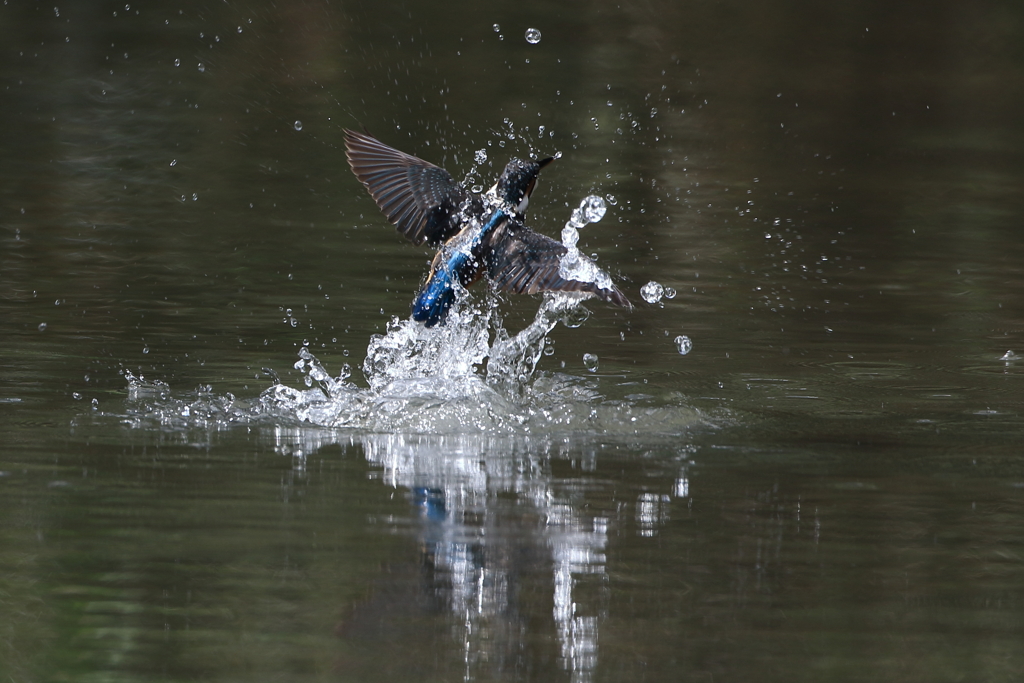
471, 493
576, 551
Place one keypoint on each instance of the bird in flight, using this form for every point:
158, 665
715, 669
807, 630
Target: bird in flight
475, 234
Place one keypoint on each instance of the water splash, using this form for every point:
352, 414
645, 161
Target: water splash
445, 380
532, 36
574, 265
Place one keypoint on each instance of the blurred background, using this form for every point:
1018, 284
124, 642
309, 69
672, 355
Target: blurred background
828, 485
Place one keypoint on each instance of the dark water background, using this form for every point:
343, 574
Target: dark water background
829, 486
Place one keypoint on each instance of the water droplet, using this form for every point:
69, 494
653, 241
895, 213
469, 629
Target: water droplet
145, 349
174, 162
177, 62
195, 196
594, 208
298, 125
497, 28
611, 199
652, 292
77, 396
575, 317
477, 189
670, 293
532, 36
239, 29
42, 327
683, 344
590, 362
480, 156
201, 67
1008, 356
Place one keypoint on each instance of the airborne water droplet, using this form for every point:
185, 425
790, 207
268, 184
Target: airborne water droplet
652, 292
590, 362
594, 208
532, 36
298, 125
683, 344
480, 156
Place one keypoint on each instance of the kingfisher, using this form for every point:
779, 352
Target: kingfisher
475, 234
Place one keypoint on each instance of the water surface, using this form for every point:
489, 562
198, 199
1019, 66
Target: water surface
827, 486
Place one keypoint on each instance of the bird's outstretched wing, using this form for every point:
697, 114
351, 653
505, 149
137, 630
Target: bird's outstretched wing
421, 199
526, 262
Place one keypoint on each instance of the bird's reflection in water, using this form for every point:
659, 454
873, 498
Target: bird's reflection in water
499, 535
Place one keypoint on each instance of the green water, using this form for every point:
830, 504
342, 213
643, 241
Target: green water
829, 486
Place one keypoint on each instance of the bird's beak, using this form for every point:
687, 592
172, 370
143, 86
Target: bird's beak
544, 162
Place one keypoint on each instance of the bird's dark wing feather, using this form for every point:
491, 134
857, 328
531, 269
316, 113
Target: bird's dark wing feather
522, 261
421, 199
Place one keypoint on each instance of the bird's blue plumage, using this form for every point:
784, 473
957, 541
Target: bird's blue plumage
438, 293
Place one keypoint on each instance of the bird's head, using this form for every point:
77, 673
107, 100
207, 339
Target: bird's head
518, 181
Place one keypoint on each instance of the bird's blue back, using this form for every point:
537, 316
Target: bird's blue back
438, 293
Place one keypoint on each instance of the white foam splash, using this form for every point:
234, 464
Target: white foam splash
451, 379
